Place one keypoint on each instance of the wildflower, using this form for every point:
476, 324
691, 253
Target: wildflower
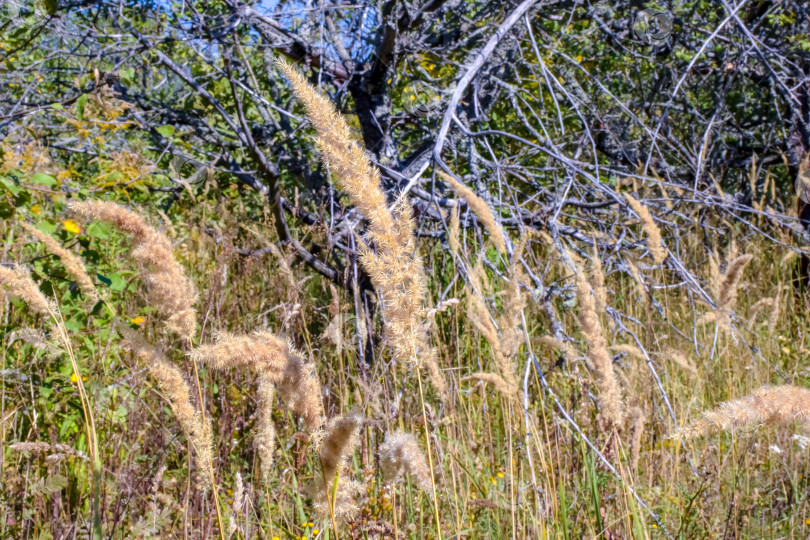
72, 226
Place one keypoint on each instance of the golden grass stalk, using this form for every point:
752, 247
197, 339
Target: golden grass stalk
506, 342
17, 282
274, 360
172, 383
399, 454
512, 316
598, 279
610, 397
637, 419
453, 232
481, 209
727, 286
776, 310
569, 352
73, 264
493, 379
334, 493
630, 350
769, 406
338, 442
169, 288
265, 438
657, 250
681, 360
394, 266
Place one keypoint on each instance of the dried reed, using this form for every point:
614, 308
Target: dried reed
400, 453
17, 282
265, 438
394, 266
506, 342
273, 359
73, 264
726, 286
172, 383
657, 250
336, 443
769, 405
637, 419
481, 209
610, 398
170, 290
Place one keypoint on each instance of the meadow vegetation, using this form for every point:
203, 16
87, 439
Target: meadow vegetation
159, 384
426, 270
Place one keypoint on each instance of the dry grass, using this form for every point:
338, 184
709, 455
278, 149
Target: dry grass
591, 375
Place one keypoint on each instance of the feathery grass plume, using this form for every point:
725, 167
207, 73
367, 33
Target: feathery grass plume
598, 277
680, 359
505, 344
512, 316
610, 397
17, 282
494, 379
274, 359
394, 266
335, 444
776, 310
172, 383
338, 442
73, 264
658, 252
568, 350
479, 316
169, 288
399, 454
265, 438
635, 273
731, 282
454, 229
637, 420
715, 275
630, 350
756, 308
481, 209
769, 405
727, 291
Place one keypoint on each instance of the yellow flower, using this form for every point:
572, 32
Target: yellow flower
579, 58
807, 521
315, 531
73, 378
36, 210
72, 226
137, 320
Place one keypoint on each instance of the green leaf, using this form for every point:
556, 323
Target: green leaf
166, 131
42, 178
80, 103
127, 75
98, 230
9, 185
117, 281
46, 227
58, 107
